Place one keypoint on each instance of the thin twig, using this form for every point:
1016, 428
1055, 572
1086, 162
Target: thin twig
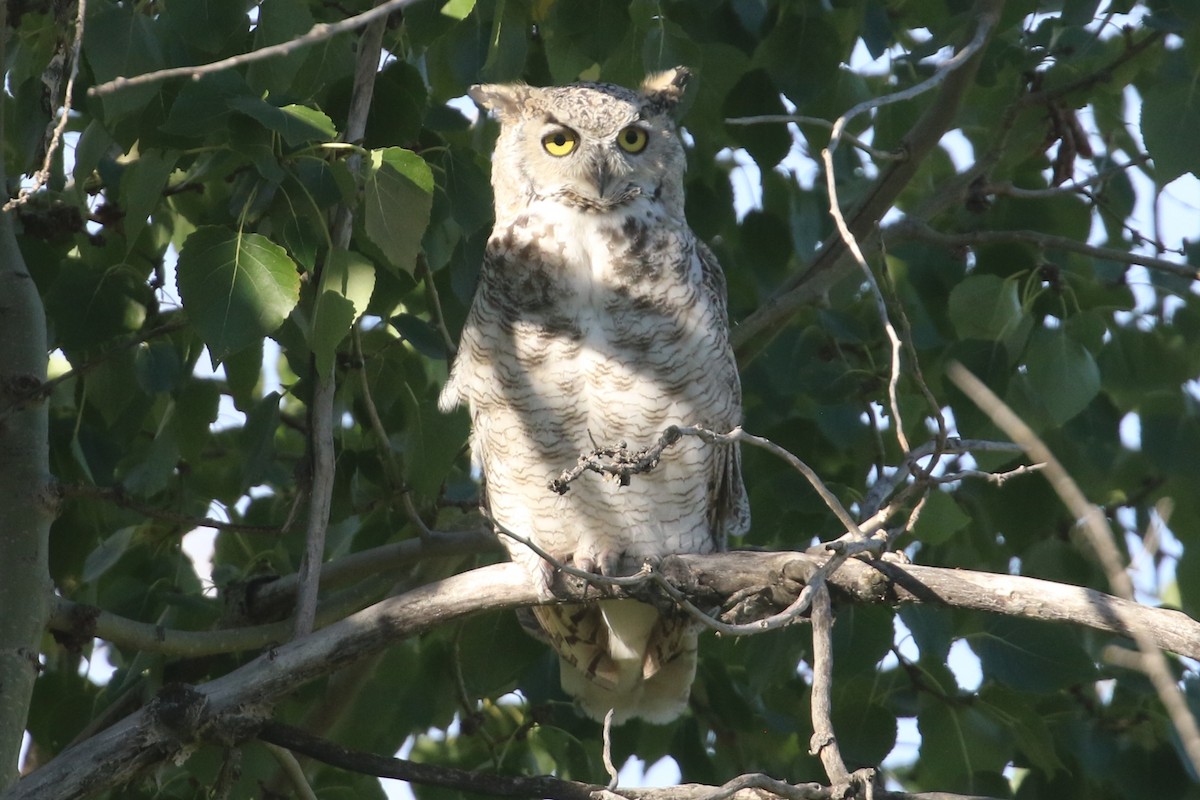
823, 743
982, 31
1102, 541
616, 461
912, 229
41, 391
606, 753
885, 486
769, 119
117, 496
317, 33
391, 467
435, 306
42, 175
832, 261
1009, 189
830, 499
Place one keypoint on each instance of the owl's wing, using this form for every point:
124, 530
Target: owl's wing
729, 508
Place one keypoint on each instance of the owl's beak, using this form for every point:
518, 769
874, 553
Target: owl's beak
604, 178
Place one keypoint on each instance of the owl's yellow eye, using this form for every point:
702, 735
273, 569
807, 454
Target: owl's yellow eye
560, 143
632, 139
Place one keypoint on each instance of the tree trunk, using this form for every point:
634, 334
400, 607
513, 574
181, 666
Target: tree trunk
26, 500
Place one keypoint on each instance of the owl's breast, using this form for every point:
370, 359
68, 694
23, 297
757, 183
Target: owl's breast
603, 311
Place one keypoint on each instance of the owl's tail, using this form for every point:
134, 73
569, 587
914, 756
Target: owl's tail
623, 655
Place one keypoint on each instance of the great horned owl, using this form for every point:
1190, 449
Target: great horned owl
600, 318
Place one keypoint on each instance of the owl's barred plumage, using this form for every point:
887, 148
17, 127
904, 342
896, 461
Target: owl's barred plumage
599, 318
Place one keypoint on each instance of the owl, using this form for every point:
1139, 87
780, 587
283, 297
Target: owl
600, 318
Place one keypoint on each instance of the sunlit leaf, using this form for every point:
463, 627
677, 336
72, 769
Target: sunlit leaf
397, 198
236, 288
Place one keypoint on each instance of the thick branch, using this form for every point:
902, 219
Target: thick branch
78, 622
26, 502
235, 705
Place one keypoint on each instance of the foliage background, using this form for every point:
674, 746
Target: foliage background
238, 173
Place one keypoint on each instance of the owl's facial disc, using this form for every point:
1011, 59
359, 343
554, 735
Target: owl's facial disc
595, 171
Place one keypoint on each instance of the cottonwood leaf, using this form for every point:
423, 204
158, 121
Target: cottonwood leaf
236, 287
397, 199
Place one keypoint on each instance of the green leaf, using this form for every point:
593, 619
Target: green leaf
397, 198
1062, 374
152, 466
209, 26
346, 285
107, 554
1170, 119
1029, 730
141, 190
120, 42
957, 743
754, 95
940, 519
579, 36
431, 443
1032, 656
257, 440
985, 307
296, 124
236, 288
93, 145
458, 9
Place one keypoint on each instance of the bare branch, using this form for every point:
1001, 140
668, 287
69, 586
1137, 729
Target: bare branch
293, 771
911, 229
317, 33
753, 786
617, 461
883, 488
775, 119
823, 743
982, 31
880, 306
236, 701
1103, 543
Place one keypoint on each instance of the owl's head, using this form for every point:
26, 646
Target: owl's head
593, 146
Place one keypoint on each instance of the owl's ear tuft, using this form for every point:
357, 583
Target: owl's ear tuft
665, 89
505, 99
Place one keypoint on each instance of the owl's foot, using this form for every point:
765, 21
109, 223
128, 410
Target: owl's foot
610, 563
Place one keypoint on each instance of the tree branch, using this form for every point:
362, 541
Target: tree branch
744, 787
1102, 541
316, 34
911, 229
833, 261
236, 704
27, 504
